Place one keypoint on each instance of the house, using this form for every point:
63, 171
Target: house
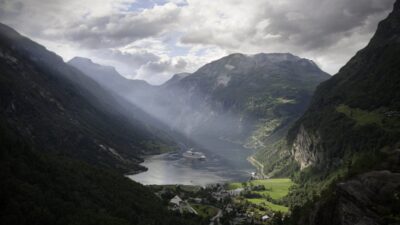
265, 218
177, 204
175, 200
235, 192
229, 208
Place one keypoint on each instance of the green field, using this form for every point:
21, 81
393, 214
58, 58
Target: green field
362, 117
270, 205
275, 188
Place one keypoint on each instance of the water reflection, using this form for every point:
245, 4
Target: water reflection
225, 162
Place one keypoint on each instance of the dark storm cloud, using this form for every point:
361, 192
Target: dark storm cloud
306, 24
327, 31
320, 23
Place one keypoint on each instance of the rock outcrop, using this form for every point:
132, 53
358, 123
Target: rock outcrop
369, 199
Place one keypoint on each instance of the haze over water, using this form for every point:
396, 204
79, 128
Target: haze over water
225, 162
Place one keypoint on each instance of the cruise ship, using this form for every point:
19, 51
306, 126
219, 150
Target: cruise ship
194, 155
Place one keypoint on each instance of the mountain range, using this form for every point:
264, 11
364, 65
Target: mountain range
241, 98
69, 131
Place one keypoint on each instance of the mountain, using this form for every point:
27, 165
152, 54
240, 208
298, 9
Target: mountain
347, 142
175, 79
233, 96
247, 99
59, 109
136, 96
108, 77
65, 141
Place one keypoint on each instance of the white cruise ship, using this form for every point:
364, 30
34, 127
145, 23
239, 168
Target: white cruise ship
194, 155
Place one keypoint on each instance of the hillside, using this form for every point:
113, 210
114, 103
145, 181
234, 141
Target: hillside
350, 134
57, 108
242, 95
42, 188
65, 142
108, 77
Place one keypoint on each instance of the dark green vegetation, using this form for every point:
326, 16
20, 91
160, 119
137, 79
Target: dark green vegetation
347, 142
276, 158
65, 142
205, 211
38, 188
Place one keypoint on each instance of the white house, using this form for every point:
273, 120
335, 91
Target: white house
235, 192
176, 200
265, 218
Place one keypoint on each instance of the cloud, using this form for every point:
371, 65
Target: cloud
153, 39
121, 29
157, 72
303, 26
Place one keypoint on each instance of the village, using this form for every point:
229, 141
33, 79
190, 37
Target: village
259, 201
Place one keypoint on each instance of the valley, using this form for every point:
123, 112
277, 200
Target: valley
240, 139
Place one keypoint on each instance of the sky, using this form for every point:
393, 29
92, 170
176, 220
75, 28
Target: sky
154, 39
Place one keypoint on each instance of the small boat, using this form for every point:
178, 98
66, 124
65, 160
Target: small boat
194, 155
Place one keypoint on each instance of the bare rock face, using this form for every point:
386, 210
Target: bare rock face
369, 199
306, 147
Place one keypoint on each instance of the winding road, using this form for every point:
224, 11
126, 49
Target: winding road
258, 165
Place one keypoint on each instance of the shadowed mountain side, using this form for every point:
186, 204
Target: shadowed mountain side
57, 108
347, 142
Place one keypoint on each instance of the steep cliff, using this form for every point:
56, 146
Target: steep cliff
347, 142
358, 109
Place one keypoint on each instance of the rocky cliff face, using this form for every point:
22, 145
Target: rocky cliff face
306, 148
371, 199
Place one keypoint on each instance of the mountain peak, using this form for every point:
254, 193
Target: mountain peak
238, 64
82, 63
176, 78
80, 59
388, 30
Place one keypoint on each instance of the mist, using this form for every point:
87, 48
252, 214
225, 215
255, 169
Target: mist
181, 108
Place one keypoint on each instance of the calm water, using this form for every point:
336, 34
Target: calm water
225, 162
